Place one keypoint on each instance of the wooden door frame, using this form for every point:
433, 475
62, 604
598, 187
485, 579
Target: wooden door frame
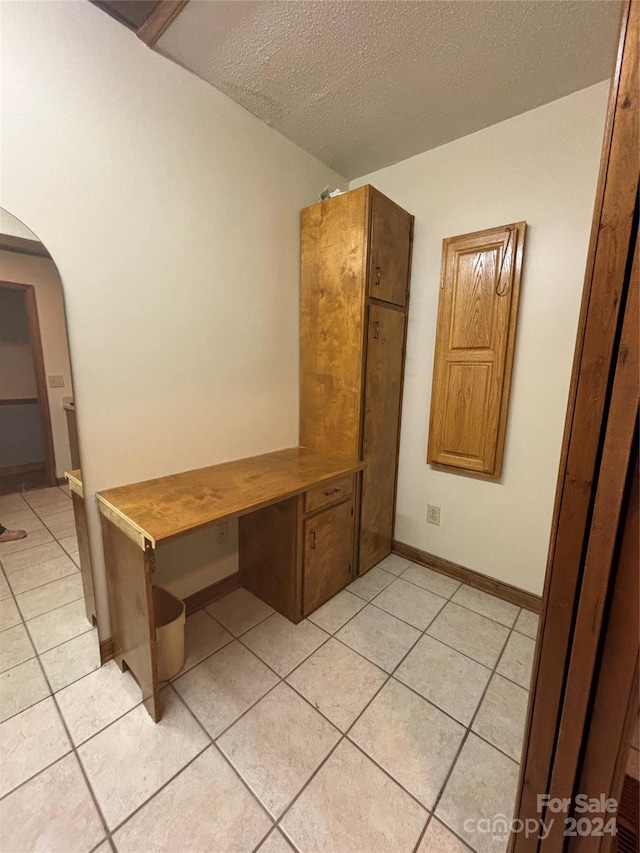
585, 564
40, 374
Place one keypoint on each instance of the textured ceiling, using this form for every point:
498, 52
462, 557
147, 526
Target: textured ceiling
364, 84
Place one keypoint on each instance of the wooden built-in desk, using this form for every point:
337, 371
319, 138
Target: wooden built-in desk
296, 539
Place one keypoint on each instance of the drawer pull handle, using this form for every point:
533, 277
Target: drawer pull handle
376, 330
332, 492
378, 275
313, 540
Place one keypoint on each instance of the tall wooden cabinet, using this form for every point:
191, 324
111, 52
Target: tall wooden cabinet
355, 265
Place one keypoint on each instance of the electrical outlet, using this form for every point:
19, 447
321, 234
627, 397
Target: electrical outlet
433, 514
56, 381
222, 533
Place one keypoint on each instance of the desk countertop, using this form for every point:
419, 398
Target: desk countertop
162, 509
74, 478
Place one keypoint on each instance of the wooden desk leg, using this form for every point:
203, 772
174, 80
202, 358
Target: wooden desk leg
80, 517
131, 605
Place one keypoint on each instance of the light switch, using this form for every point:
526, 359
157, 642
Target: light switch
56, 381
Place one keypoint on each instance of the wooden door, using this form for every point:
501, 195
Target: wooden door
327, 555
475, 341
390, 253
383, 389
22, 473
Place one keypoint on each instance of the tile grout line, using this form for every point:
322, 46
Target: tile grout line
156, 792
274, 831
75, 637
510, 630
44, 769
431, 811
41, 519
201, 725
8, 574
74, 749
281, 679
35, 653
304, 788
46, 612
68, 735
36, 545
330, 635
381, 669
466, 738
448, 599
344, 736
390, 675
45, 526
133, 707
447, 714
215, 746
210, 745
75, 571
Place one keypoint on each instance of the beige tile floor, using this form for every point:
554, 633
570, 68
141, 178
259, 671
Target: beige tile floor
385, 722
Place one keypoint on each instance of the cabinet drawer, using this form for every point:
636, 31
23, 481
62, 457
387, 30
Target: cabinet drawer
328, 493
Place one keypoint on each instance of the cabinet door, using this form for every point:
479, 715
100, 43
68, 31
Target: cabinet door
383, 387
390, 251
327, 555
475, 341
333, 276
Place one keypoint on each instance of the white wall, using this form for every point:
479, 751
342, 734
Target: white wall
173, 217
540, 167
41, 272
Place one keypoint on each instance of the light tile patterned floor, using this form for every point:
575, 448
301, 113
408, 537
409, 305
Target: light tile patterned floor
385, 722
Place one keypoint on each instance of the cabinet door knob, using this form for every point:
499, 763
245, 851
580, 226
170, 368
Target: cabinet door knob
313, 540
378, 274
376, 330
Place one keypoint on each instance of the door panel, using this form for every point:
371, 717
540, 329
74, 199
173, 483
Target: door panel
327, 555
390, 251
475, 340
383, 386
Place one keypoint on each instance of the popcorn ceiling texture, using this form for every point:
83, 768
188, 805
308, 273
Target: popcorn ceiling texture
361, 85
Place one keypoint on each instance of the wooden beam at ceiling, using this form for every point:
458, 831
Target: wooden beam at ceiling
165, 12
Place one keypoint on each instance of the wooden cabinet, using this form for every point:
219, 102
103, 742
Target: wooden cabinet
355, 263
298, 553
475, 342
390, 251
382, 394
328, 552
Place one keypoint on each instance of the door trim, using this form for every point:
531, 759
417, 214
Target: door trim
40, 374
